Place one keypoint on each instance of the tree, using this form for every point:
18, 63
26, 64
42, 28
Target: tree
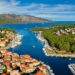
73, 47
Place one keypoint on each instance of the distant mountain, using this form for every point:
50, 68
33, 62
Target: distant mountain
13, 19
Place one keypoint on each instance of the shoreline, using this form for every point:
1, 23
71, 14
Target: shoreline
15, 42
47, 46
44, 41
49, 69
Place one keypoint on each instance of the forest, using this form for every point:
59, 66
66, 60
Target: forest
63, 42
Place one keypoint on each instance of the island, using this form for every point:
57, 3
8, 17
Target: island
9, 38
20, 19
58, 40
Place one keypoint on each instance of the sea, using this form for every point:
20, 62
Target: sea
32, 46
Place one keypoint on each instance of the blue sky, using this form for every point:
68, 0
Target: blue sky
57, 10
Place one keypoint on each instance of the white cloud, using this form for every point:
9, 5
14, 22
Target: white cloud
40, 10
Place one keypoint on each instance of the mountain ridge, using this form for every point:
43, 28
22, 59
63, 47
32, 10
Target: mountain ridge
13, 19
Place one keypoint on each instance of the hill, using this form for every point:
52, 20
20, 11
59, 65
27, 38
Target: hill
13, 19
60, 37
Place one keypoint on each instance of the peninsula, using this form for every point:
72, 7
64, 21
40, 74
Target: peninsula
14, 64
59, 40
9, 38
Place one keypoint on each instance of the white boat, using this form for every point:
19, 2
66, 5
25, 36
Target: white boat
71, 68
33, 46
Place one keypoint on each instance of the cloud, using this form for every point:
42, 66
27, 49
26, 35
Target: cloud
39, 10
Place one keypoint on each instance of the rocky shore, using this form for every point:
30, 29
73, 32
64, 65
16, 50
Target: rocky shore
44, 41
47, 48
9, 38
15, 42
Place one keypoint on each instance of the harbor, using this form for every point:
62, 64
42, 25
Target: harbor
57, 64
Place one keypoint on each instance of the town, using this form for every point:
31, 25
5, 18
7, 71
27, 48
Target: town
14, 64
65, 31
6, 36
9, 38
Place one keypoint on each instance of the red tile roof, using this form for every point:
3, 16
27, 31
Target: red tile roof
27, 56
39, 73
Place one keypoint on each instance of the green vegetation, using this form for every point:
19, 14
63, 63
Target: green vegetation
7, 21
3, 67
2, 35
61, 43
63, 26
8, 29
20, 19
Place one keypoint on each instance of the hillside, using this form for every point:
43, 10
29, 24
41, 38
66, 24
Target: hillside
61, 37
13, 19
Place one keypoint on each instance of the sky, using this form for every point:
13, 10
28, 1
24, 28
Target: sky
56, 10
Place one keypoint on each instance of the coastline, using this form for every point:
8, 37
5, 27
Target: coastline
30, 68
15, 42
44, 41
49, 69
47, 46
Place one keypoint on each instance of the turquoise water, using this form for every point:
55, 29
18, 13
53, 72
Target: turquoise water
59, 65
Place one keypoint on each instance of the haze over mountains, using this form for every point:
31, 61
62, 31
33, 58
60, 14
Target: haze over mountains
13, 19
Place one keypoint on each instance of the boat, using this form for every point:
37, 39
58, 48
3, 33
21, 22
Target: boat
33, 46
70, 59
70, 66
